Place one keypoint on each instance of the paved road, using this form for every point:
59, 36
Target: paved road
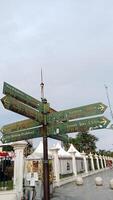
89, 191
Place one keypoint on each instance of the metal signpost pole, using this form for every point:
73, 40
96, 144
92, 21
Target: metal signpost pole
45, 108
45, 154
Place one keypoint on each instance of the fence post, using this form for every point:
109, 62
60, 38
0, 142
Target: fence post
19, 167
85, 162
54, 152
104, 161
96, 157
101, 161
73, 154
92, 161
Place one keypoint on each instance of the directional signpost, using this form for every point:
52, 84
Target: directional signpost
27, 134
22, 135
24, 124
57, 131
75, 126
22, 96
90, 110
46, 122
74, 113
14, 105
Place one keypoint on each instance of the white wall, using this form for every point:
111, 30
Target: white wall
80, 165
65, 165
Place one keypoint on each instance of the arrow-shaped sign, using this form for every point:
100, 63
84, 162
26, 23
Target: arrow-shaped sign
62, 128
79, 112
16, 126
29, 134
75, 126
59, 131
14, 105
23, 97
20, 125
29, 123
22, 135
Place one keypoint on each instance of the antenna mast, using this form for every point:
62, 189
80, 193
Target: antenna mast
42, 86
109, 103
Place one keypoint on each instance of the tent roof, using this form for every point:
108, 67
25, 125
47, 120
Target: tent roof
61, 152
74, 150
38, 153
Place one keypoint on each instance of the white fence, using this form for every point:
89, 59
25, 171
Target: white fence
65, 168
84, 165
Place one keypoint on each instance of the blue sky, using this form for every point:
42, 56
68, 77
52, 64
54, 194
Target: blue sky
71, 40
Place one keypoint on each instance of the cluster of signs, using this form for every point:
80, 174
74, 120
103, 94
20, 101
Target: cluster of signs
58, 123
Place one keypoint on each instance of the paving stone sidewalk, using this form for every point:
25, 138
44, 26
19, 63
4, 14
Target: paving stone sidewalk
88, 191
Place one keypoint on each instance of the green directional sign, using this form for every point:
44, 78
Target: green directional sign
22, 135
14, 105
63, 138
30, 133
23, 97
62, 128
75, 126
24, 124
29, 123
74, 113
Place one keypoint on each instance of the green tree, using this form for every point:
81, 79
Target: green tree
7, 148
105, 152
84, 141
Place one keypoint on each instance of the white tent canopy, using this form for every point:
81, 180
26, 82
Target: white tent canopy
74, 150
61, 152
38, 153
